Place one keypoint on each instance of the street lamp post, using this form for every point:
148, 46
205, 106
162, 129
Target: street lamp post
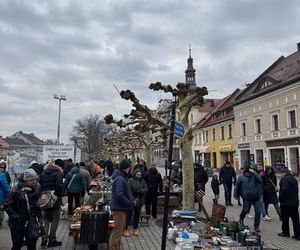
59, 98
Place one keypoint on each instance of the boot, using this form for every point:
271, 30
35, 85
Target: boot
126, 233
54, 243
135, 232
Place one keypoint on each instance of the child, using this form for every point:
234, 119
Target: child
215, 187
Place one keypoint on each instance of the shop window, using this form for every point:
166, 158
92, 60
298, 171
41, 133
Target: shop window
292, 119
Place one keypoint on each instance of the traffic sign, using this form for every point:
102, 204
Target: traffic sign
178, 129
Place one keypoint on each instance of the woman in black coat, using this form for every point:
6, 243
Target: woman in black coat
270, 190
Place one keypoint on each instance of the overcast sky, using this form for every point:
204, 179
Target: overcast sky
81, 48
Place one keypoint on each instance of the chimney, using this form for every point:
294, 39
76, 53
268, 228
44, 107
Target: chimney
298, 46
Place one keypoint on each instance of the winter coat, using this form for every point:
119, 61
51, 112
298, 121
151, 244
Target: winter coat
215, 186
4, 187
78, 183
270, 195
16, 206
200, 178
121, 196
67, 168
87, 177
138, 188
52, 179
153, 180
227, 174
288, 191
248, 186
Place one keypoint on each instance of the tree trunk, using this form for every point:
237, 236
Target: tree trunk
187, 173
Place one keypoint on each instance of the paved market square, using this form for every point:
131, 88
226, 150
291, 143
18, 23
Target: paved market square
150, 236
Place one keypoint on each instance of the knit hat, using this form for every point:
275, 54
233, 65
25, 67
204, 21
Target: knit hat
284, 170
3, 164
33, 162
124, 164
30, 175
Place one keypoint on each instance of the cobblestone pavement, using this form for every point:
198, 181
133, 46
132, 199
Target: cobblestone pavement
150, 236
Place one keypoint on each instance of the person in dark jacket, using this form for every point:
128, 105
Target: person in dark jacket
270, 190
52, 180
247, 186
200, 179
68, 167
109, 167
4, 191
154, 183
3, 166
121, 203
75, 187
18, 212
138, 188
289, 203
227, 176
142, 166
175, 174
215, 188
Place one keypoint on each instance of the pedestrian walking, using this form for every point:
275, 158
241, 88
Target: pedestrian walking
97, 169
75, 187
23, 212
154, 184
261, 172
4, 191
52, 180
247, 187
227, 176
87, 178
3, 168
270, 190
215, 188
200, 179
138, 188
289, 203
121, 203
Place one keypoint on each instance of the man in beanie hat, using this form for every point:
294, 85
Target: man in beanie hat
121, 202
289, 203
16, 206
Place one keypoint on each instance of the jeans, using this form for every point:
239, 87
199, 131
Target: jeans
151, 201
227, 191
246, 209
117, 232
136, 217
18, 231
72, 196
262, 206
286, 213
51, 216
216, 198
276, 206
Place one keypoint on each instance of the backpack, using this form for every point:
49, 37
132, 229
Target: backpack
47, 199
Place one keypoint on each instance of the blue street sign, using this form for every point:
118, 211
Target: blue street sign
178, 129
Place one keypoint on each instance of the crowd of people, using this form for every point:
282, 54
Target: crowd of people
132, 188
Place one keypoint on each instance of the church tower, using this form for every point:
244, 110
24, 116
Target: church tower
190, 73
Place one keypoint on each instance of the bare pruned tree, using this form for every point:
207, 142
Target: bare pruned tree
89, 133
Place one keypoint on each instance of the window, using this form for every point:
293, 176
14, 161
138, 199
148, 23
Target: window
292, 119
275, 124
229, 131
243, 129
258, 126
214, 134
200, 138
206, 136
222, 133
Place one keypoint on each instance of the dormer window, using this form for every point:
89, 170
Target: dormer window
265, 83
